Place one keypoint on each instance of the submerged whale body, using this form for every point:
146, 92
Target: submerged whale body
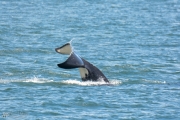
87, 70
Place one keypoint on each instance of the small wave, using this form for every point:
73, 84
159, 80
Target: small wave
31, 80
143, 81
38, 80
154, 81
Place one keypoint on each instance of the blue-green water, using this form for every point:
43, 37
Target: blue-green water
135, 43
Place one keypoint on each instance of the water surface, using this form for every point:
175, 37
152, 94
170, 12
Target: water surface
136, 44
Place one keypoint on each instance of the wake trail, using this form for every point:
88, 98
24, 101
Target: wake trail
36, 80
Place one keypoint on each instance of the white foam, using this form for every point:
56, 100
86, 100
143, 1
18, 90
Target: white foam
90, 83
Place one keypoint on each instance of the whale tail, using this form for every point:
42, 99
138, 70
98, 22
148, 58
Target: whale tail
74, 61
87, 71
65, 49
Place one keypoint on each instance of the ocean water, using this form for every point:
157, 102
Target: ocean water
135, 43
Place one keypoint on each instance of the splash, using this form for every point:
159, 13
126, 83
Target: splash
90, 83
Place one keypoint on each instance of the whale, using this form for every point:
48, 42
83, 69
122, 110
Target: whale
88, 71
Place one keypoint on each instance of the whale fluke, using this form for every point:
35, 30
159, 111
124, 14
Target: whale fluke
65, 49
87, 70
74, 61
